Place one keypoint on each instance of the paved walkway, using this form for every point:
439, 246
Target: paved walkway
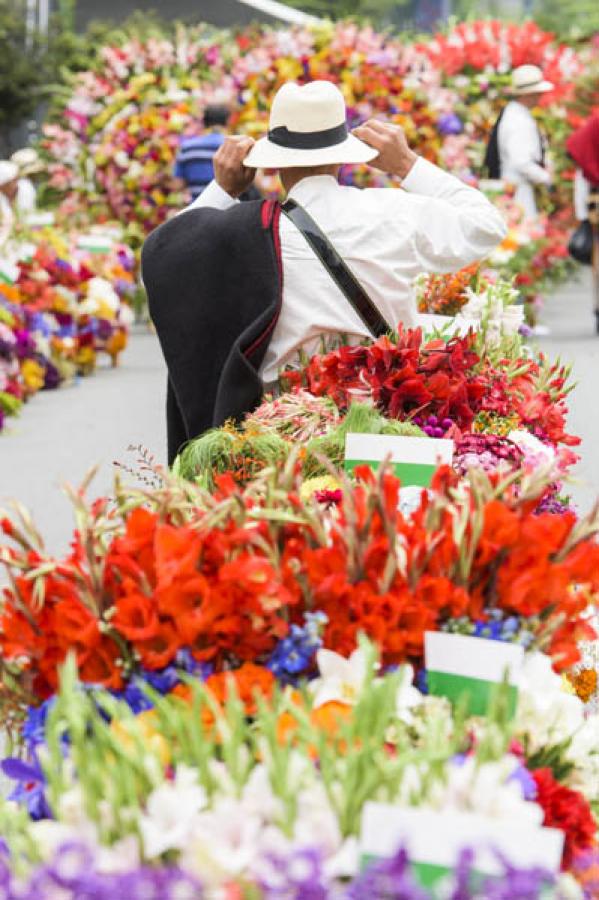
61, 435
570, 317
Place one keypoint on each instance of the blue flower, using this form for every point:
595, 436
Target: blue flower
293, 655
35, 724
31, 785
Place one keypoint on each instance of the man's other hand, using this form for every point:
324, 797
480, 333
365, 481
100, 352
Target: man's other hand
395, 157
229, 170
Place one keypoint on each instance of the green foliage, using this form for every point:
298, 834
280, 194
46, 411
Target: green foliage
360, 419
381, 12
21, 65
569, 19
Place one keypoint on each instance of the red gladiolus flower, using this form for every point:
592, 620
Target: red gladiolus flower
136, 617
568, 810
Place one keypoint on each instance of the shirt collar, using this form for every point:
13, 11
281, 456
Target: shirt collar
312, 186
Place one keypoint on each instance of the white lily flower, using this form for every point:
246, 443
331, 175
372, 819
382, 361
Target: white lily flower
171, 812
408, 696
341, 679
546, 714
225, 842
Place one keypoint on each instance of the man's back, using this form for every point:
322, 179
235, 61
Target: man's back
386, 236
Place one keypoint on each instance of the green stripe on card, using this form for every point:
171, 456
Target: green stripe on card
427, 874
478, 693
418, 474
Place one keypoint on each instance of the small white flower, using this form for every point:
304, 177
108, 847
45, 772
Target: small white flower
171, 812
408, 697
341, 679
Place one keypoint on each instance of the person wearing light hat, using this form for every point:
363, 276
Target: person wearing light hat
9, 176
520, 144
29, 164
237, 290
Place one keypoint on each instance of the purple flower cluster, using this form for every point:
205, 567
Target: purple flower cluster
299, 876
433, 426
554, 504
449, 123
71, 876
485, 451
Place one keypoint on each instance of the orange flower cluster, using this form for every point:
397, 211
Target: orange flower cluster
229, 593
584, 683
445, 295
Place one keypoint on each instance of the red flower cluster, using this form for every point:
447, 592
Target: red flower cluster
568, 810
492, 45
409, 377
229, 592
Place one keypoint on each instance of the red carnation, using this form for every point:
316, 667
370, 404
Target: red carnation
568, 810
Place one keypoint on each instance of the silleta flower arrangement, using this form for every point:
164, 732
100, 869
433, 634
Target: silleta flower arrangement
63, 305
246, 668
114, 141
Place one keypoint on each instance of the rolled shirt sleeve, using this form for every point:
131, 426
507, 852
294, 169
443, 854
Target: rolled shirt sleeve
456, 224
213, 196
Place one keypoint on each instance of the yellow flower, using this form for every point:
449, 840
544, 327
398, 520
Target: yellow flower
33, 375
86, 359
314, 485
144, 728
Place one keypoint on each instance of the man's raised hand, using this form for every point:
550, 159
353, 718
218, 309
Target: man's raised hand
229, 170
395, 157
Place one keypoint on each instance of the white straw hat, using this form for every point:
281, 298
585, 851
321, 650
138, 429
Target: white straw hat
28, 161
308, 127
529, 80
9, 171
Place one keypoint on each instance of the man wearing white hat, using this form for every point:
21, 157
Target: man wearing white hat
9, 176
338, 260
29, 164
520, 143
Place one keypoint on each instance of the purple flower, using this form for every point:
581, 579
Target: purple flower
390, 879
450, 123
51, 376
298, 876
528, 785
25, 343
34, 727
31, 785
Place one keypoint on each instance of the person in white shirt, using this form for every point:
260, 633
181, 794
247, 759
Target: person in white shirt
520, 143
9, 175
387, 236
29, 164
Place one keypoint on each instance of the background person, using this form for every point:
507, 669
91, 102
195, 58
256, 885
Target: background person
9, 178
194, 159
29, 165
520, 144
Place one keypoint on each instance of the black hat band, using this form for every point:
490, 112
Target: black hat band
308, 140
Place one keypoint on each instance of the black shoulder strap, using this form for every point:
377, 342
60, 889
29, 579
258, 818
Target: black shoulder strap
337, 269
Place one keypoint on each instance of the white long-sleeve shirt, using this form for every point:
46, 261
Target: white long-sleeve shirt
386, 236
521, 154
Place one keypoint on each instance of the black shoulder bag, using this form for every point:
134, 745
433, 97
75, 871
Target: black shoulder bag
343, 277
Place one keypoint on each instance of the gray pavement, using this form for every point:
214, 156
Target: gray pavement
62, 434
569, 315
